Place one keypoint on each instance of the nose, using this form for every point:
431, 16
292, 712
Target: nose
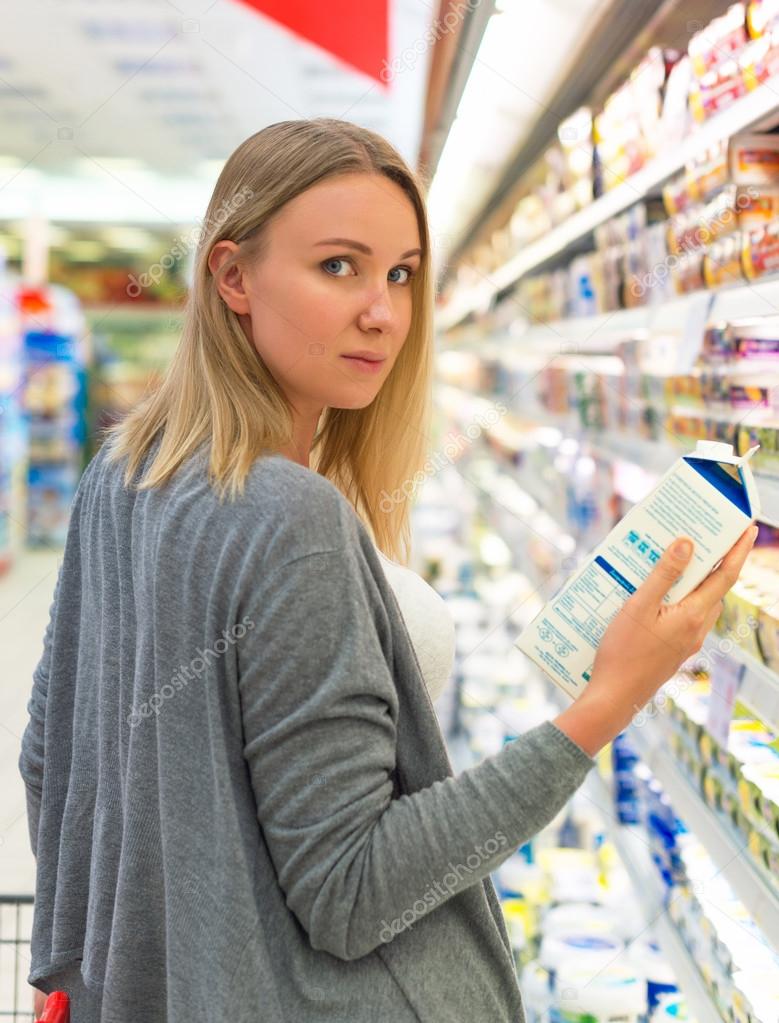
377, 313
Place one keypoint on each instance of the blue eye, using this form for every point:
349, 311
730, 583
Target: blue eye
331, 267
405, 269
329, 262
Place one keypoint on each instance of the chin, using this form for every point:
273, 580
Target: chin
361, 400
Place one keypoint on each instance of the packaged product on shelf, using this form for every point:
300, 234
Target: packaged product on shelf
738, 781
760, 251
768, 633
649, 962
720, 63
720, 40
718, 931
11, 429
722, 262
720, 214
638, 118
758, 791
707, 173
753, 159
675, 117
767, 437
575, 136
54, 401
647, 82
581, 949
760, 59
686, 230
688, 272
670, 1009
615, 133
686, 390
530, 220
658, 286
580, 918
615, 992
761, 15
755, 996
676, 196
756, 207
51, 487
743, 339
581, 288
752, 392
741, 613
709, 495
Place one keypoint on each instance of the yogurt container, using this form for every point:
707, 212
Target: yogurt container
650, 963
580, 918
591, 953
616, 995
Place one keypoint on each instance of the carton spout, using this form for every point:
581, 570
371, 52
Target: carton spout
717, 462
745, 457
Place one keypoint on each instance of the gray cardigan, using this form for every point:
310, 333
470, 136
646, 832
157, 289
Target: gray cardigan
238, 792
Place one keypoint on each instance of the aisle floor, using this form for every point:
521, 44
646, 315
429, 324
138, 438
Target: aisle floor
26, 591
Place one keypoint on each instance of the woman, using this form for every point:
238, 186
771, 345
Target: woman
238, 793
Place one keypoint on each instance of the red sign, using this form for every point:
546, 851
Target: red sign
355, 31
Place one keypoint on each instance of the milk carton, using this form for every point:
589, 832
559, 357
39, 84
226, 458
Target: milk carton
709, 495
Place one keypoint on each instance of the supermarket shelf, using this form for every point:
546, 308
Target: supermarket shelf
683, 316
725, 847
633, 852
759, 685
657, 456
759, 688
754, 110
513, 498
653, 457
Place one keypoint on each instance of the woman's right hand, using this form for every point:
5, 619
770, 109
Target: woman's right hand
647, 641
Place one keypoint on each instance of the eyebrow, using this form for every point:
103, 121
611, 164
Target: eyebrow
363, 248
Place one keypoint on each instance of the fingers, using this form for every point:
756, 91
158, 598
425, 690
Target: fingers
717, 583
673, 562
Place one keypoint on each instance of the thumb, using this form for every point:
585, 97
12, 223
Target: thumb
673, 562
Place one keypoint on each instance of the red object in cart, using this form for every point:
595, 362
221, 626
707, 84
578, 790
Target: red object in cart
56, 1009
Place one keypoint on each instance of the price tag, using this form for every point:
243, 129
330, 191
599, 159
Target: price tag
726, 675
698, 312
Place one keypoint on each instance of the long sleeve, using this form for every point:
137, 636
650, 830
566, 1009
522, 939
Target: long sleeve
31, 757
32, 748
320, 712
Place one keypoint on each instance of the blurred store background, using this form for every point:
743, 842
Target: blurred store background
603, 188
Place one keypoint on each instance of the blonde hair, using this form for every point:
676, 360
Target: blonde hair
217, 389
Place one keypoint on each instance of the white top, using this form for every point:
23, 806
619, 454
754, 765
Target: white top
429, 623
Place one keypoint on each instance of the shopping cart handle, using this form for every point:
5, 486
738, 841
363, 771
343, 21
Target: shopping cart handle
56, 1009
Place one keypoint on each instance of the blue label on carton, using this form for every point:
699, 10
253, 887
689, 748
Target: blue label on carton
717, 475
615, 575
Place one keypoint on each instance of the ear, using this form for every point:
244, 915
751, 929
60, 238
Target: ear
230, 284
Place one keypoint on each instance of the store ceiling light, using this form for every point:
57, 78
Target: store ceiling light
116, 164
156, 73
525, 51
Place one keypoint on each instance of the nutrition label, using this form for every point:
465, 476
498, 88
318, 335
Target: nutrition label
589, 604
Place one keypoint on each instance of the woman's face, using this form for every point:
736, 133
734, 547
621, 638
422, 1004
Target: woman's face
333, 280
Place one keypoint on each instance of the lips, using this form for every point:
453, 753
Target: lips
365, 363
365, 356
